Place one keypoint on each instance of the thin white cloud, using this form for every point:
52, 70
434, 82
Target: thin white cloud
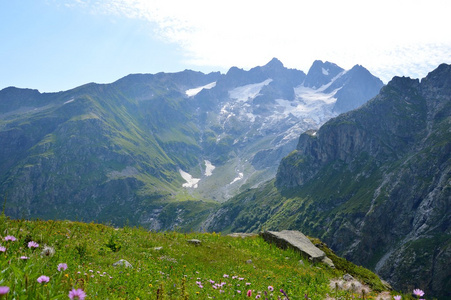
406, 36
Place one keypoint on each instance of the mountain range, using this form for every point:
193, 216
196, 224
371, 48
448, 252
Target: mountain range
373, 183
248, 150
162, 149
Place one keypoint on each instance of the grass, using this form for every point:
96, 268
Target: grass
164, 265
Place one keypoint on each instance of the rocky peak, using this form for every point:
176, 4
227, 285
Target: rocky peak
273, 64
356, 87
321, 73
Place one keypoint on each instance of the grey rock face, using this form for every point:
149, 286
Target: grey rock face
388, 169
297, 240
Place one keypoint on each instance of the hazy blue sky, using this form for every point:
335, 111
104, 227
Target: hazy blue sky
54, 45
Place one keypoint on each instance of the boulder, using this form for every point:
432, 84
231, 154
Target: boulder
194, 242
298, 241
123, 263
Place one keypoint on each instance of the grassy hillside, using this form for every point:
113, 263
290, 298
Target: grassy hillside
164, 265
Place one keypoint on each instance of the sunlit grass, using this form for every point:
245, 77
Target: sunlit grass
164, 265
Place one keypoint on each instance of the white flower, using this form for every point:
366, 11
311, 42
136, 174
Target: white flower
48, 251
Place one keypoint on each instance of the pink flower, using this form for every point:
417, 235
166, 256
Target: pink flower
77, 294
248, 283
33, 244
249, 293
257, 297
270, 288
398, 297
10, 238
62, 267
24, 257
4, 290
43, 278
225, 276
418, 292
2, 249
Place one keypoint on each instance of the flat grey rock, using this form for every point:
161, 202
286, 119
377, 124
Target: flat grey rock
241, 234
194, 242
297, 240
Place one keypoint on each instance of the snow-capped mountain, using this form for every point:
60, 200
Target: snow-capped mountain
132, 149
259, 114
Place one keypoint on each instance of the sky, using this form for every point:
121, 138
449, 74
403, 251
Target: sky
55, 45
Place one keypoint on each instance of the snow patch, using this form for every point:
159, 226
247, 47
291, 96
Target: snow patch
70, 100
240, 176
195, 91
209, 168
325, 72
248, 92
190, 181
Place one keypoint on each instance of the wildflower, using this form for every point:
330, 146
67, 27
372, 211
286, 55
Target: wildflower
258, 297
418, 292
33, 244
241, 278
62, 267
249, 293
10, 238
24, 257
248, 283
2, 249
238, 291
4, 290
77, 294
398, 297
47, 251
225, 276
285, 294
43, 278
270, 288
211, 281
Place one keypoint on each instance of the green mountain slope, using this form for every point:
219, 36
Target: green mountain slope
373, 183
100, 152
159, 150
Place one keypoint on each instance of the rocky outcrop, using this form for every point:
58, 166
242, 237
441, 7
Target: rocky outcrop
298, 241
387, 170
